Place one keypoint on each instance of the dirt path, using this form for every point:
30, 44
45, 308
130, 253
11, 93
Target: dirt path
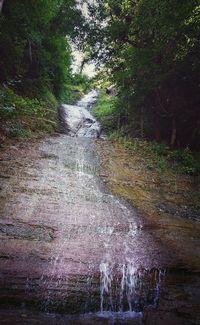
68, 245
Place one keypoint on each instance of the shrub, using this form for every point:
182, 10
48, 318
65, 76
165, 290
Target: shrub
26, 114
19, 131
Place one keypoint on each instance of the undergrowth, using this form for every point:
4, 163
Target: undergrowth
161, 156
156, 155
34, 113
22, 116
105, 112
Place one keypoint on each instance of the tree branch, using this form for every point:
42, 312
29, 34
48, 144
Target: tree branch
1, 5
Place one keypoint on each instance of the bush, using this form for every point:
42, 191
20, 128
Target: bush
21, 115
189, 165
105, 112
19, 131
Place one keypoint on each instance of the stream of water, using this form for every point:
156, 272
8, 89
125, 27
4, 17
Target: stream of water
71, 252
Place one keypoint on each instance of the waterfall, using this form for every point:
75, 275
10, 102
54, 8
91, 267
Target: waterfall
128, 289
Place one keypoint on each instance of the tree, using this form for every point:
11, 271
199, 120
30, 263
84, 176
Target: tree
34, 43
1, 5
151, 49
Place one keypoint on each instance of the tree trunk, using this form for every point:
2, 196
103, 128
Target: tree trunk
83, 63
142, 123
174, 132
157, 128
82, 66
30, 52
1, 5
194, 134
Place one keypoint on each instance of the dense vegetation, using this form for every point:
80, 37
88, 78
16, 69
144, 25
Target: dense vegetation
151, 51
35, 62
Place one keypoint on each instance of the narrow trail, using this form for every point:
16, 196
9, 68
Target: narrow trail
68, 245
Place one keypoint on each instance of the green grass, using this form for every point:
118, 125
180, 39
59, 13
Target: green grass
72, 94
156, 155
19, 131
105, 106
22, 116
105, 112
161, 156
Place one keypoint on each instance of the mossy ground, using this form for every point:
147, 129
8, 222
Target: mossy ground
167, 199
25, 117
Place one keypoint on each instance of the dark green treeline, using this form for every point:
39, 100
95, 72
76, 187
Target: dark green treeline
35, 55
151, 49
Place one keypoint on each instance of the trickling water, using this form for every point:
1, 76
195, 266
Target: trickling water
106, 284
76, 120
130, 289
89, 100
88, 254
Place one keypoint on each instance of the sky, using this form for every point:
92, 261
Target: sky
89, 69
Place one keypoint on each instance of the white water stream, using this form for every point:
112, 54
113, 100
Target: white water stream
98, 264
124, 286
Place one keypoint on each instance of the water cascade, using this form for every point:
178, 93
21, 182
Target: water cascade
76, 120
130, 289
88, 256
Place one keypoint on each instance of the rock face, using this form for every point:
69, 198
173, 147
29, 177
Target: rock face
67, 244
89, 100
76, 120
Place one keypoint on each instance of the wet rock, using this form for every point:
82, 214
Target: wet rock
26, 231
77, 120
89, 100
90, 130
179, 211
101, 253
4, 176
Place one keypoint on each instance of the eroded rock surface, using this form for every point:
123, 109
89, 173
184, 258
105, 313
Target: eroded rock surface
68, 245
76, 120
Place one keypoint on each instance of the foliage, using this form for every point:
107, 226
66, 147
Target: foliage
35, 62
79, 85
159, 155
20, 115
34, 44
81, 80
105, 112
150, 48
19, 131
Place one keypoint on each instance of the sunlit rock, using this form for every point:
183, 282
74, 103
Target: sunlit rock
76, 120
89, 100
